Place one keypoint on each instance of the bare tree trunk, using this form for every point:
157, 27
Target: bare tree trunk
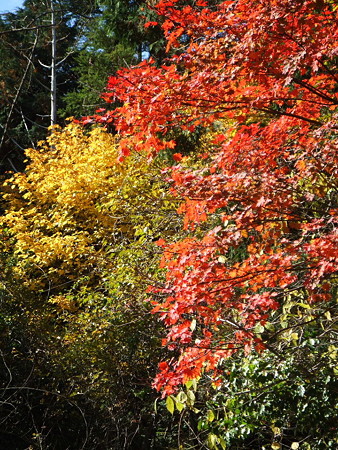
53, 69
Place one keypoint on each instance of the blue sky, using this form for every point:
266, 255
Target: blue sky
9, 5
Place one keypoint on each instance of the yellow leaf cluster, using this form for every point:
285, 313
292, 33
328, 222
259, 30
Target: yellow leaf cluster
76, 203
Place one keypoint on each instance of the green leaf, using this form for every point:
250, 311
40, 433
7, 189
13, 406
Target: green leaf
181, 397
191, 384
170, 405
294, 336
179, 406
259, 328
222, 443
303, 305
210, 415
212, 441
191, 397
328, 315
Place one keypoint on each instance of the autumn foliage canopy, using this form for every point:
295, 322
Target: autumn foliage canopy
200, 213
260, 205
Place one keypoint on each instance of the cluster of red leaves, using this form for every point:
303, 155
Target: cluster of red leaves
270, 68
266, 190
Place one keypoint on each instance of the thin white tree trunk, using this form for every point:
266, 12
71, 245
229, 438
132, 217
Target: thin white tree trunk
53, 68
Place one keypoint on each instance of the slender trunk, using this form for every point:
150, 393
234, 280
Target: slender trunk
53, 68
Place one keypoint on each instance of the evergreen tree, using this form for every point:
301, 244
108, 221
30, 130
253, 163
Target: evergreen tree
117, 37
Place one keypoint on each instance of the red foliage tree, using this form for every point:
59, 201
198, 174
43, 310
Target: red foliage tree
269, 185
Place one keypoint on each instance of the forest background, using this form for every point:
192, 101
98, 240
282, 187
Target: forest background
168, 247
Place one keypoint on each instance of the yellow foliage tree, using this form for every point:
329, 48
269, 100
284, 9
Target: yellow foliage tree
69, 214
77, 254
